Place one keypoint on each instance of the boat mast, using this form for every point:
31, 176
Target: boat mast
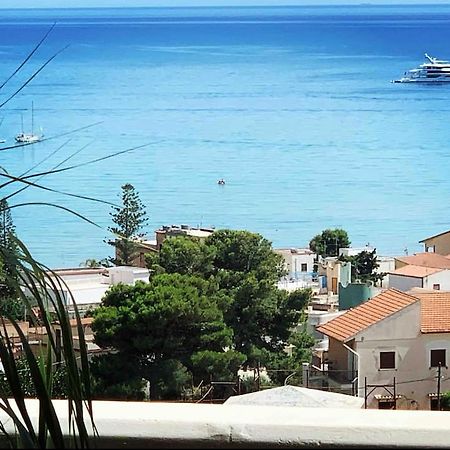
32, 117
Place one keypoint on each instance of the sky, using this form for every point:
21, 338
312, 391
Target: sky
178, 3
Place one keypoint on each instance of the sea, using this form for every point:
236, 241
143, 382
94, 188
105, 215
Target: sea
292, 106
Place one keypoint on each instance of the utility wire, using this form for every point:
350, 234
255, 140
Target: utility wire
29, 56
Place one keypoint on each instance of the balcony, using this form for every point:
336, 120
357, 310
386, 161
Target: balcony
181, 425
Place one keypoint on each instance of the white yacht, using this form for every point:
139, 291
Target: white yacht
433, 71
29, 138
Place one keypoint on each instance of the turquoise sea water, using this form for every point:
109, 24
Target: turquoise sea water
293, 107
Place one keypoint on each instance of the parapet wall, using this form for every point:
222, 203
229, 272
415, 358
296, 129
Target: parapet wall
182, 425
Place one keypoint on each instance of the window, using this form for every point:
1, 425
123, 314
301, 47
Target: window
436, 357
390, 404
387, 360
436, 287
304, 267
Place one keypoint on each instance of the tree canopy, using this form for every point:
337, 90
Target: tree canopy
329, 242
186, 256
364, 266
210, 307
172, 318
245, 269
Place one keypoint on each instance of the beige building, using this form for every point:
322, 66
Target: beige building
149, 246
393, 343
439, 243
335, 272
180, 230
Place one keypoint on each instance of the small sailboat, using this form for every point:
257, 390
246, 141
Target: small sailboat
29, 138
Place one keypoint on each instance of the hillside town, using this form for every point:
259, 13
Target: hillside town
380, 333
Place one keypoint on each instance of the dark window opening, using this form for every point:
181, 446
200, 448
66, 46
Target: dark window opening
304, 267
434, 404
438, 356
387, 360
390, 404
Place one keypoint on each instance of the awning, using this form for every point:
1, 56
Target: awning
387, 398
434, 395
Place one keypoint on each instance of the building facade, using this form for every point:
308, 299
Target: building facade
395, 346
439, 243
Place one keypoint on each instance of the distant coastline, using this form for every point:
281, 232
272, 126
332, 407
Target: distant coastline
389, 5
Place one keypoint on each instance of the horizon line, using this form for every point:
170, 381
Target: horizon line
308, 5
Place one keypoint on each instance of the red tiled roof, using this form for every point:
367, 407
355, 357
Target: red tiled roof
435, 311
368, 313
426, 259
416, 271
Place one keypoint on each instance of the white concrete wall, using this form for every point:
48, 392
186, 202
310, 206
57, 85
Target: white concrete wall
87, 295
175, 425
441, 278
293, 261
299, 259
350, 251
386, 265
403, 283
88, 288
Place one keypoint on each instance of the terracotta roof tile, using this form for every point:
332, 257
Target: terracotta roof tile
435, 311
426, 260
368, 313
416, 271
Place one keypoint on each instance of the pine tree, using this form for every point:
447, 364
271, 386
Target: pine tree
7, 233
130, 219
7, 228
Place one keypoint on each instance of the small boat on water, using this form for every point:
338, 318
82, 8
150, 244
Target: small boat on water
29, 138
221, 181
433, 71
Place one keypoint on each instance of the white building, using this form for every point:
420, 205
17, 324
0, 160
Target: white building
88, 286
353, 251
299, 262
386, 264
409, 277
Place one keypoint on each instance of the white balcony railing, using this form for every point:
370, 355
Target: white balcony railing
182, 425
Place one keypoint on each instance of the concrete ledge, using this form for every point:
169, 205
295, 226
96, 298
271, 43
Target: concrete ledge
181, 425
